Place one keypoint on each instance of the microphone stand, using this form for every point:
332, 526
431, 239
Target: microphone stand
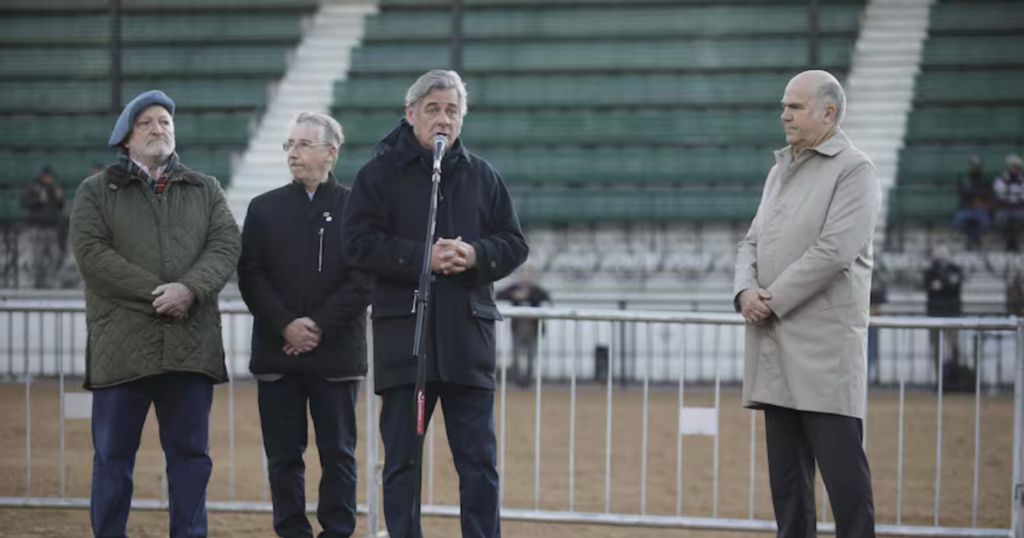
421, 303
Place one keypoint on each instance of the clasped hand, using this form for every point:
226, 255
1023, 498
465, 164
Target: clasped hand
452, 256
302, 335
754, 305
173, 300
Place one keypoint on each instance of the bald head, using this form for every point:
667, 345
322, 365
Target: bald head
826, 92
813, 105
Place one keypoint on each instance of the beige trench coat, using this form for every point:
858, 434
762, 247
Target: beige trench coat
810, 246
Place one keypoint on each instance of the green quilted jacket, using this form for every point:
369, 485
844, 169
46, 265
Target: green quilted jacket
127, 241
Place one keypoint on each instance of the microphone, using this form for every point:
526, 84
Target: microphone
440, 143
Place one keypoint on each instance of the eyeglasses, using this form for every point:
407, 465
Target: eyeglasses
303, 145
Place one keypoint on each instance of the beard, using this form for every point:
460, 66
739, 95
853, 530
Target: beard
158, 148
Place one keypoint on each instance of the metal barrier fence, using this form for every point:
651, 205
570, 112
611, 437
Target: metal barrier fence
656, 351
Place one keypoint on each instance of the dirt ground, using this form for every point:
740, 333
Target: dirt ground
919, 455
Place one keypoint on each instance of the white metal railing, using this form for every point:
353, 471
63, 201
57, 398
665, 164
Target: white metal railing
633, 342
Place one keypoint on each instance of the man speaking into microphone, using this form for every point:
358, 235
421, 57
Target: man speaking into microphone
476, 242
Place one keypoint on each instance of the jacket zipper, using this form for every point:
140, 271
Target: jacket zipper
320, 259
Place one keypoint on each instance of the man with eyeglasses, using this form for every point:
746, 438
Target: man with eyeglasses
155, 243
309, 330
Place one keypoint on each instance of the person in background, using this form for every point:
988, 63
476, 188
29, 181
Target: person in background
879, 297
525, 332
974, 217
44, 201
1009, 189
943, 282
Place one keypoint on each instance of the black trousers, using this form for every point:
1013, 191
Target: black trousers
796, 439
332, 405
469, 420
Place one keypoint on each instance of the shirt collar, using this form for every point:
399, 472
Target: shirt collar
831, 147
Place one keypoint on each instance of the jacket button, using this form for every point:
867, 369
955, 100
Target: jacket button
168, 260
433, 278
401, 259
494, 264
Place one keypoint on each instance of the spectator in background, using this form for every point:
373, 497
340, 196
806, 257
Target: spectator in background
943, 282
1009, 188
973, 217
879, 296
44, 201
525, 292
1015, 294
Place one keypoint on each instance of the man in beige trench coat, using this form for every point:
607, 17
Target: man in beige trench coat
803, 283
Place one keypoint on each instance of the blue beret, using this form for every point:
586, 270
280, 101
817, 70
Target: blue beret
140, 103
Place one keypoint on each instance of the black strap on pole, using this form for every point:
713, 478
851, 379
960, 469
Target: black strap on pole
115, 55
421, 304
814, 42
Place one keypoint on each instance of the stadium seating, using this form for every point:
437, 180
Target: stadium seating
215, 58
603, 111
967, 102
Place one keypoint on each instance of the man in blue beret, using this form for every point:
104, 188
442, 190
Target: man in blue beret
155, 243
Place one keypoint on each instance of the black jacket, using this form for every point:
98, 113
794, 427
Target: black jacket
943, 282
385, 223
286, 273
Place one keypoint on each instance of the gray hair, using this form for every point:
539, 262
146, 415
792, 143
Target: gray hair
438, 79
330, 129
831, 93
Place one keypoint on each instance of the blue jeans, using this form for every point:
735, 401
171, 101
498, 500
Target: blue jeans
968, 216
469, 420
332, 405
182, 402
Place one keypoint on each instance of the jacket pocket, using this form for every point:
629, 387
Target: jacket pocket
484, 310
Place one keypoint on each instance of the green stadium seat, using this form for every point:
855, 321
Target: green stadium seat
252, 60
583, 91
94, 96
184, 61
998, 124
47, 30
609, 22
923, 164
211, 28
594, 127
999, 50
83, 132
922, 205
160, 5
978, 15
54, 96
974, 87
71, 167
968, 103
638, 166
780, 53
394, 4
64, 63
542, 206
192, 95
